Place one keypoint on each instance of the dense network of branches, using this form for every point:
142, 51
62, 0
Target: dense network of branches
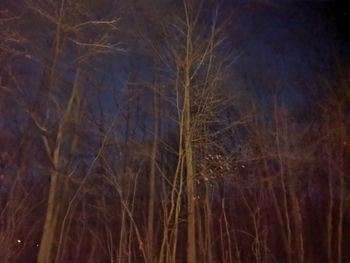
124, 137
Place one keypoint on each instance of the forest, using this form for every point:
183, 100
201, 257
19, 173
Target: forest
170, 131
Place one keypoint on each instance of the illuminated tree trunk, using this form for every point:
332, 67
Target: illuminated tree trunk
53, 205
48, 235
190, 174
47, 240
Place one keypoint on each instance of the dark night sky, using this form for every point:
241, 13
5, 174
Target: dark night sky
339, 14
286, 45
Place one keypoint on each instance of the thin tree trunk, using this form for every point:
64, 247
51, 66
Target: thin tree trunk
330, 205
283, 181
341, 186
191, 195
152, 177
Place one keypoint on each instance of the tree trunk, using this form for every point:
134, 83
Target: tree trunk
191, 195
152, 176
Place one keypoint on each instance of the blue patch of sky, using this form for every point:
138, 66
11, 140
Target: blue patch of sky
280, 48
